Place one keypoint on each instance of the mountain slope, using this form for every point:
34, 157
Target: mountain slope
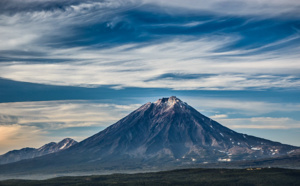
167, 133
28, 153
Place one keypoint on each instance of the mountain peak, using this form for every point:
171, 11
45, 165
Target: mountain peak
67, 140
28, 153
170, 101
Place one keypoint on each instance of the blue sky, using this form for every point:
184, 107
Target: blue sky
71, 68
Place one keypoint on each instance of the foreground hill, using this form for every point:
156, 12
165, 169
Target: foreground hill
178, 177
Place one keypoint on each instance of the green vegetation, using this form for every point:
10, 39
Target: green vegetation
273, 176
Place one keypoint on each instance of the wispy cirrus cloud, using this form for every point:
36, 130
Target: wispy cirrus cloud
245, 108
237, 7
17, 136
193, 69
137, 45
35, 123
63, 114
260, 123
240, 7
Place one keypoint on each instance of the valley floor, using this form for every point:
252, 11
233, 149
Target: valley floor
256, 176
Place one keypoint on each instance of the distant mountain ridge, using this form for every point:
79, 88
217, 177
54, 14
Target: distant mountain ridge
165, 134
28, 153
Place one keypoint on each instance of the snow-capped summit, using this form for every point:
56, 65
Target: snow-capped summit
66, 143
171, 100
55, 147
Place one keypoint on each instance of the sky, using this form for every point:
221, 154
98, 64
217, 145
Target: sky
70, 68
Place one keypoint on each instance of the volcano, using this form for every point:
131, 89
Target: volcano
171, 129
167, 133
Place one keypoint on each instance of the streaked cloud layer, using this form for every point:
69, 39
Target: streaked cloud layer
234, 60
150, 44
40, 122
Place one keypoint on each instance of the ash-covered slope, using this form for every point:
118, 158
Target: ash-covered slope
27, 153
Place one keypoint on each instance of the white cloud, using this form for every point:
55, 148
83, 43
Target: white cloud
138, 67
32, 122
132, 65
260, 123
236, 106
217, 116
64, 114
16, 136
236, 7
20, 31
